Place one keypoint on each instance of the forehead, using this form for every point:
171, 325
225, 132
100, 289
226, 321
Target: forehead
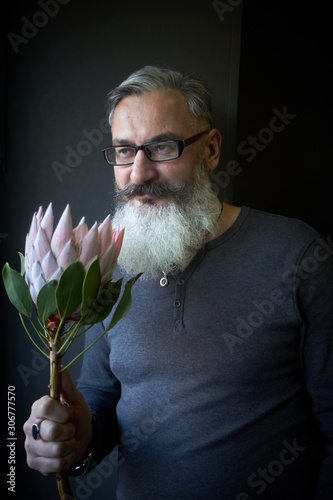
152, 113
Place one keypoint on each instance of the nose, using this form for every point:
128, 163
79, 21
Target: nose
143, 170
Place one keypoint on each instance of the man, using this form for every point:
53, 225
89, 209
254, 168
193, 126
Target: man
218, 383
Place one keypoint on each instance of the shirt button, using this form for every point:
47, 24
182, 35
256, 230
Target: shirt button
181, 282
177, 303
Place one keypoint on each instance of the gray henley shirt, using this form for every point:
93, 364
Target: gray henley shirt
219, 386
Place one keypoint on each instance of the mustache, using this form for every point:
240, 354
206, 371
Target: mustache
154, 190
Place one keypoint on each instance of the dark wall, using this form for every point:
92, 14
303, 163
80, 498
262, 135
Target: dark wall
56, 78
285, 65
58, 69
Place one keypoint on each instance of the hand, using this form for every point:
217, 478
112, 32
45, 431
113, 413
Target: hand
64, 430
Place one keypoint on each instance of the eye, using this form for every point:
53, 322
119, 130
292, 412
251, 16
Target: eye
163, 150
124, 152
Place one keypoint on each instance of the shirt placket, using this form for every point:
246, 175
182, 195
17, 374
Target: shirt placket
179, 304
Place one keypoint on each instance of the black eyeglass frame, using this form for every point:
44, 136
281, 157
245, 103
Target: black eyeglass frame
181, 145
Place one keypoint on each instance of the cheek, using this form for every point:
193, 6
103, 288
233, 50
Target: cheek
176, 173
122, 177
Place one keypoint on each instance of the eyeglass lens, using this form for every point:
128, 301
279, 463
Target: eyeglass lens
156, 151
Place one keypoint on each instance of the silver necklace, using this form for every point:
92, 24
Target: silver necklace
164, 280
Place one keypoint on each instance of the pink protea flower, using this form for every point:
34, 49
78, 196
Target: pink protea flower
66, 281
49, 252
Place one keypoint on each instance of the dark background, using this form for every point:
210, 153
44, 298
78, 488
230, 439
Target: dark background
54, 91
286, 60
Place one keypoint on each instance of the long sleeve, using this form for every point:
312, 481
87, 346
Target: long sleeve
101, 391
314, 280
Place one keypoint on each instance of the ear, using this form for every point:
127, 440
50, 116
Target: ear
212, 149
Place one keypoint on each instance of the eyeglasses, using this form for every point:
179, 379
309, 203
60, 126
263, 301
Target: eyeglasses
164, 150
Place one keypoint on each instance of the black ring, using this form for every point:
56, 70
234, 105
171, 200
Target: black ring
35, 431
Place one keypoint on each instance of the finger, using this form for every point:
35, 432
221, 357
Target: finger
49, 458
49, 449
69, 393
48, 466
53, 431
48, 408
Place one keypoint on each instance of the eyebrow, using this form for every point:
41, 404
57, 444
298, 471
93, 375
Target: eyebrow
160, 137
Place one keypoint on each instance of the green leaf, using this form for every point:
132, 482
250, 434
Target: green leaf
22, 263
69, 290
46, 300
124, 304
91, 283
103, 303
17, 290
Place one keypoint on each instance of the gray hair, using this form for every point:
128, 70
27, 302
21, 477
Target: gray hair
155, 79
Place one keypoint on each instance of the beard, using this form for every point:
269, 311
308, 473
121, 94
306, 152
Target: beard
164, 238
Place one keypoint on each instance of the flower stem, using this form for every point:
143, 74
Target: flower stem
63, 483
30, 337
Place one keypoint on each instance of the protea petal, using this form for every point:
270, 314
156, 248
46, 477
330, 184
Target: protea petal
31, 236
36, 271
39, 283
33, 293
117, 238
47, 222
56, 275
39, 214
106, 263
27, 247
41, 244
29, 260
105, 235
79, 233
27, 252
32, 257
62, 233
48, 253
90, 246
67, 256
49, 265
27, 269
27, 275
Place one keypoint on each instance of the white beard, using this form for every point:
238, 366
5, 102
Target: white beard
164, 238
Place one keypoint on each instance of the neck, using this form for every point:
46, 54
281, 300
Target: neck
228, 216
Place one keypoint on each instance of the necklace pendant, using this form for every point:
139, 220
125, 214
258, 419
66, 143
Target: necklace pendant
164, 280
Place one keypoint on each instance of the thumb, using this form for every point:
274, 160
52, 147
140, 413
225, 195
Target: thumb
69, 395
80, 414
